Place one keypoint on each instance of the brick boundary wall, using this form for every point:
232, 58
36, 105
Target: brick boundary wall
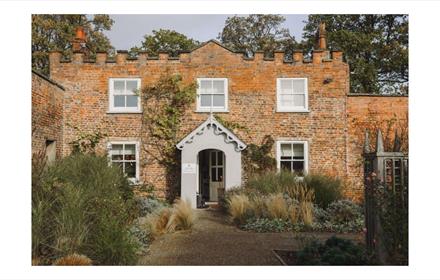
47, 113
387, 112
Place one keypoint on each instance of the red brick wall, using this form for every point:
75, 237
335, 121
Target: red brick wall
47, 113
252, 100
389, 113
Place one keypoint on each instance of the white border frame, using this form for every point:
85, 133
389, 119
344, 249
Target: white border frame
224, 109
111, 108
137, 145
306, 153
293, 109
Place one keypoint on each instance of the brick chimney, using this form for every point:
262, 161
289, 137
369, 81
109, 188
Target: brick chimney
321, 36
79, 43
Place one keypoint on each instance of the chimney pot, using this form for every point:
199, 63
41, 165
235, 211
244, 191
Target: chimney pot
322, 37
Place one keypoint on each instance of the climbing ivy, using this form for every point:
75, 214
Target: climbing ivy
256, 158
86, 142
164, 104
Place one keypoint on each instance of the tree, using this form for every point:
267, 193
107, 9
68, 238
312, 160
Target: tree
56, 32
166, 40
256, 33
375, 47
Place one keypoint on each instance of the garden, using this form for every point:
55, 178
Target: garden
84, 212
279, 202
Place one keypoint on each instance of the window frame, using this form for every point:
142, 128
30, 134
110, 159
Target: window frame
136, 143
112, 108
201, 108
293, 109
306, 153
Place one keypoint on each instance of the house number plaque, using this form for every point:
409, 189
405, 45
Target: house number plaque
188, 168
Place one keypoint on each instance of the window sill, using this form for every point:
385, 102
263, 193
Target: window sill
209, 111
124, 112
293, 111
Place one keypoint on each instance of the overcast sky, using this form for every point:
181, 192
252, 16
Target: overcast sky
129, 30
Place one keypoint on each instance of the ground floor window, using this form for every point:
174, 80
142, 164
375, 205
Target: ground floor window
292, 156
126, 156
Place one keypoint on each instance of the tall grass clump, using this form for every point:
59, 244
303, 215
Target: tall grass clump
327, 189
277, 207
182, 217
239, 208
82, 205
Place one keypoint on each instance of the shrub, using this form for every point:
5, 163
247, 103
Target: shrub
271, 182
73, 259
335, 251
141, 232
276, 207
71, 225
327, 189
267, 225
84, 205
341, 216
239, 208
147, 205
182, 217
344, 211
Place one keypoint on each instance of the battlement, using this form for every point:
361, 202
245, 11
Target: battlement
124, 57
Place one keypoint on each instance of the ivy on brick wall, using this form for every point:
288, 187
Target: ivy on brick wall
257, 158
164, 104
86, 143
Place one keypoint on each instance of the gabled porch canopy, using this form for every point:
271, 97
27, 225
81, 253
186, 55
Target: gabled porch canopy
210, 135
219, 129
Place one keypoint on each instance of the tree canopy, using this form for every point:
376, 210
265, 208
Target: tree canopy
56, 32
167, 40
375, 47
256, 33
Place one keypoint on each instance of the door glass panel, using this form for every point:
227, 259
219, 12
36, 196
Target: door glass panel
220, 174
214, 174
220, 158
213, 158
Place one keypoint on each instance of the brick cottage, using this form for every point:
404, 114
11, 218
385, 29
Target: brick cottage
304, 104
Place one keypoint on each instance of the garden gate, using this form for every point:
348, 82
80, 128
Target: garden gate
386, 201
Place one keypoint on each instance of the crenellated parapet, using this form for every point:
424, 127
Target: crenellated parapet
123, 57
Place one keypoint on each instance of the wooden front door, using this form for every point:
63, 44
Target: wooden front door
216, 173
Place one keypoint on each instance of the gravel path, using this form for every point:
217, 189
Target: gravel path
214, 242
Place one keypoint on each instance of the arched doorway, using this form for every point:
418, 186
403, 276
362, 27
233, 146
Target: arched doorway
212, 171
216, 149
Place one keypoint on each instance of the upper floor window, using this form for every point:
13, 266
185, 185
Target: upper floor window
125, 155
212, 95
292, 156
292, 95
124, 95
